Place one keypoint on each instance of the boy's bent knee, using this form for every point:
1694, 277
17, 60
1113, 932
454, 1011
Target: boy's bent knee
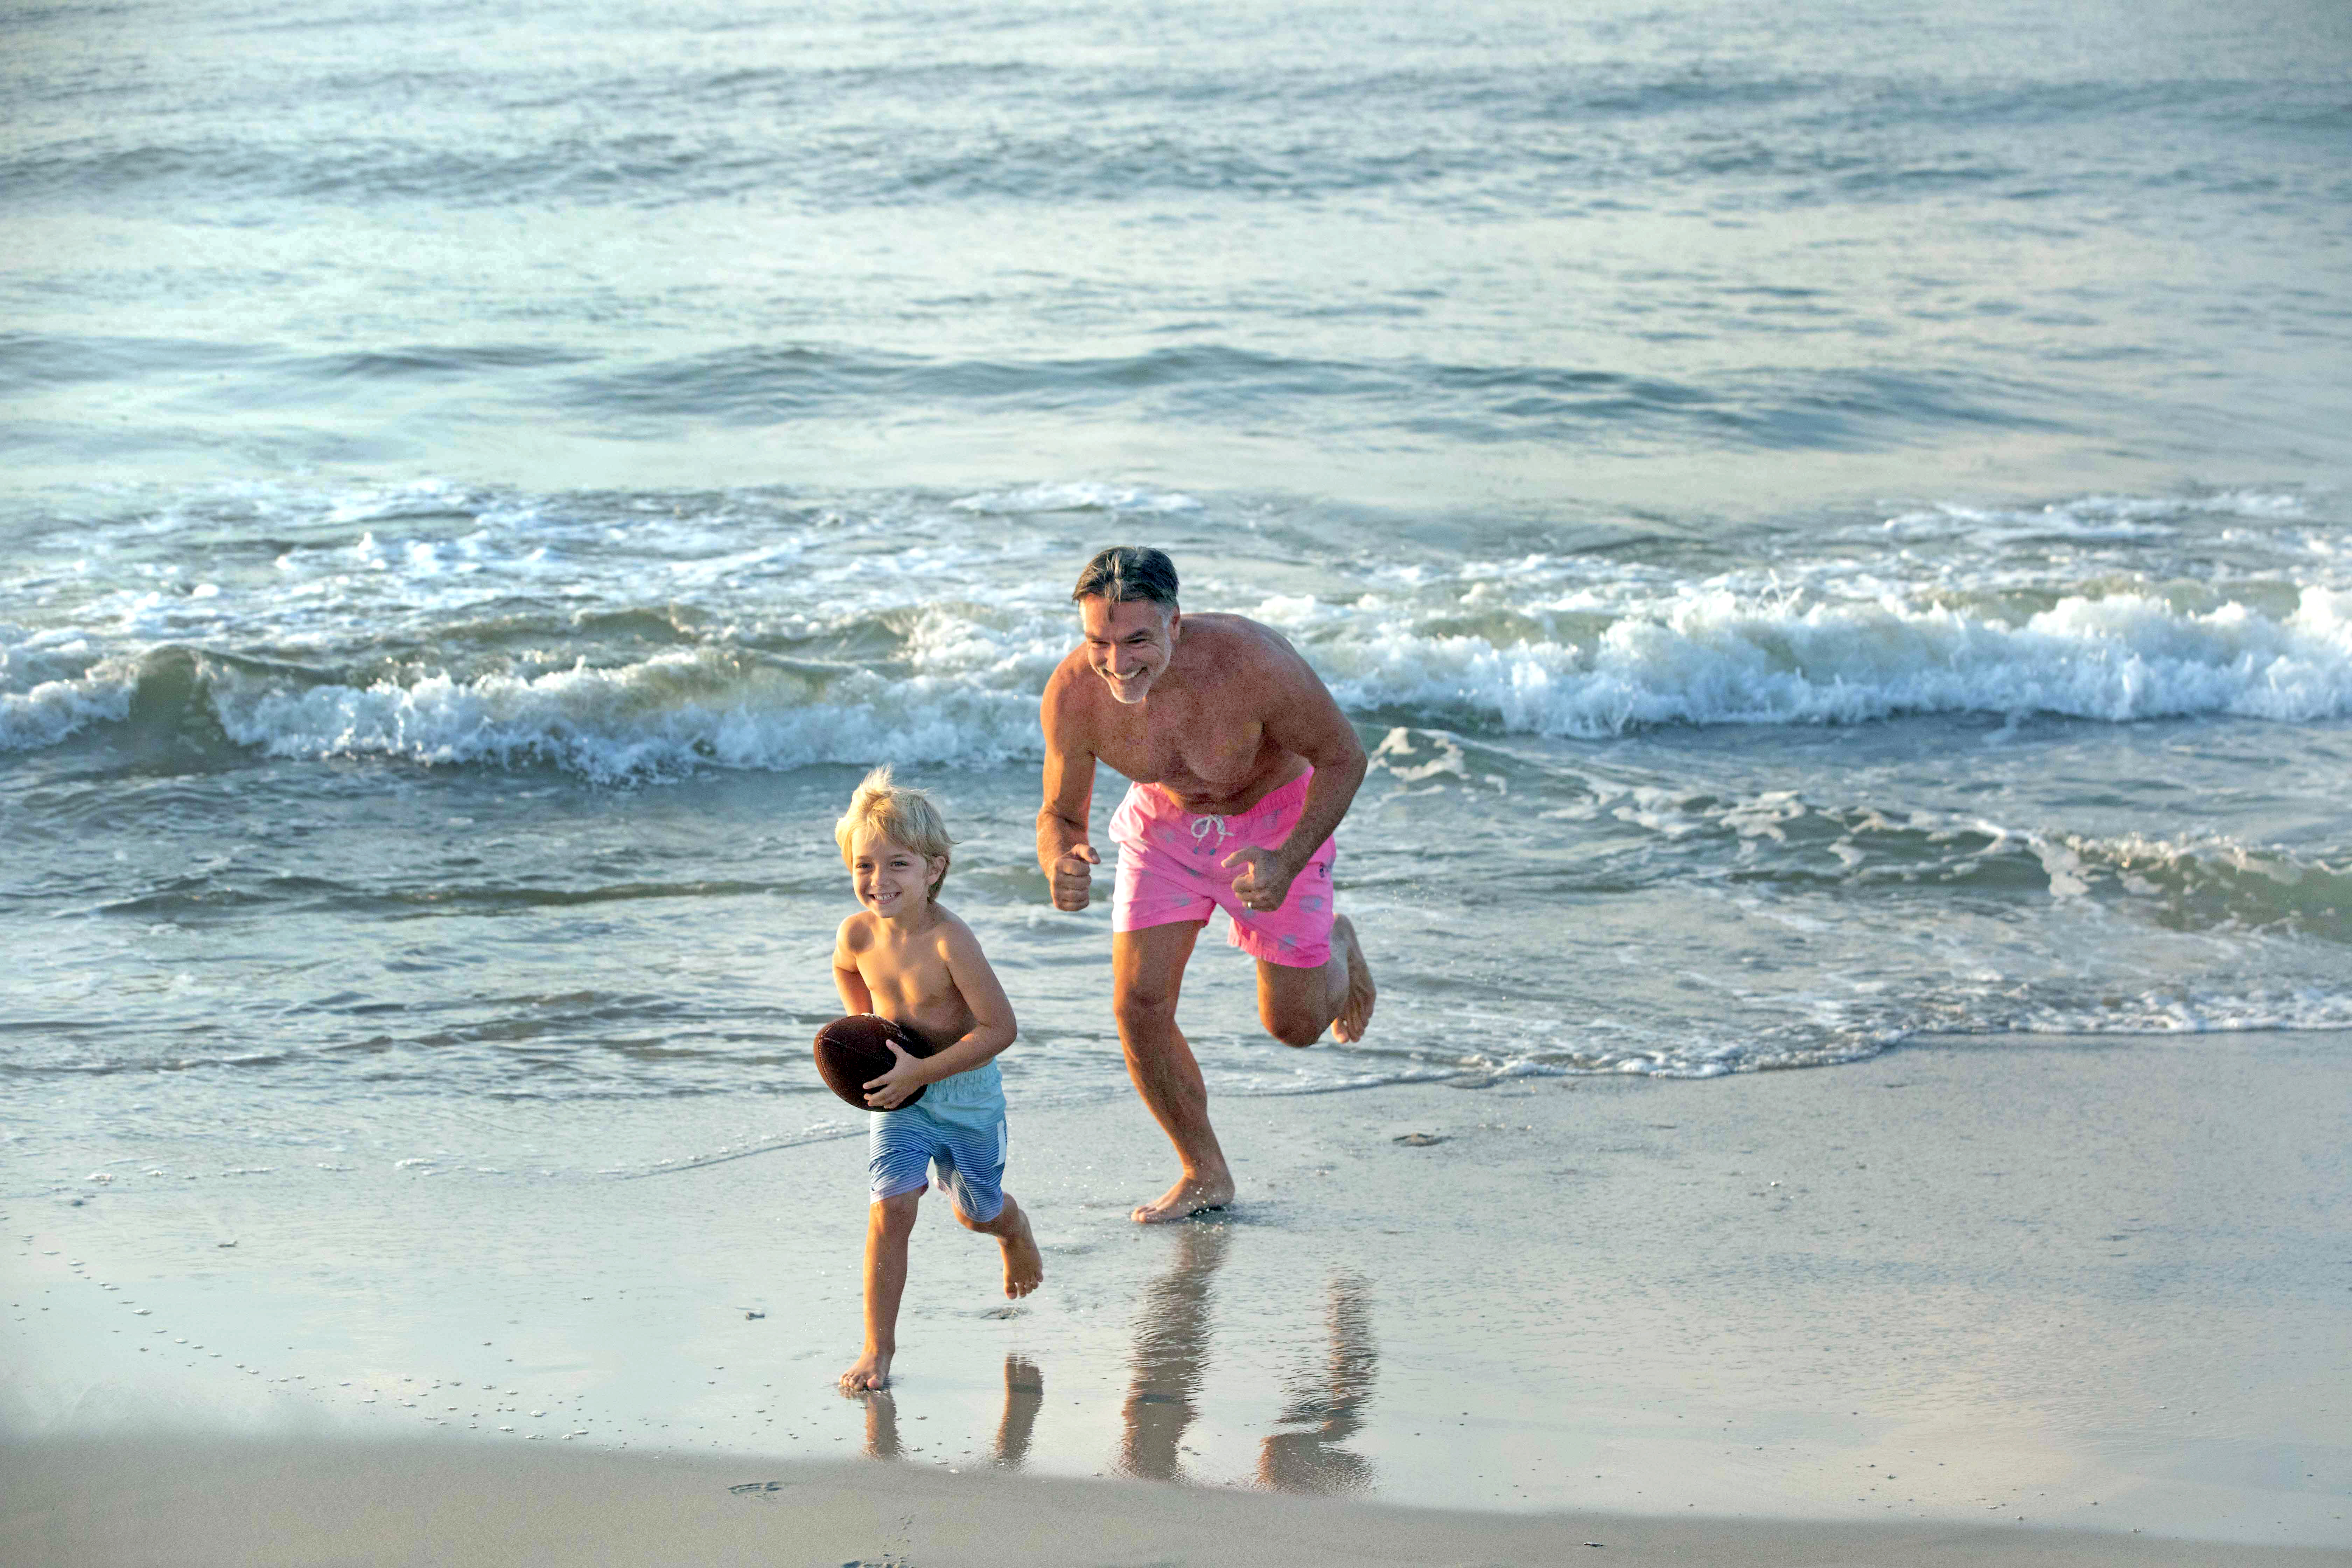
989, 1224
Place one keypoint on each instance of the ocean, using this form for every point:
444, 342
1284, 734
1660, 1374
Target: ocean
1830, 519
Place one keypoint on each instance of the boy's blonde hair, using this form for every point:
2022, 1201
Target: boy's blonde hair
900, 814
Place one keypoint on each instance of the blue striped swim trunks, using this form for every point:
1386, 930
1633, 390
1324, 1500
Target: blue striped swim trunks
906, 1145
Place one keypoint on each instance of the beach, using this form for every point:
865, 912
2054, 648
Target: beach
404, 1503
1832, 525
1948, 1288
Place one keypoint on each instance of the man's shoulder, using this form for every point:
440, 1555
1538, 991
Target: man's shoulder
1226, 626
1227, 649
1070, 682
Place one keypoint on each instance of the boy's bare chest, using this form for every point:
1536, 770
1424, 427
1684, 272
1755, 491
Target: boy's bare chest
908, 972
912, 983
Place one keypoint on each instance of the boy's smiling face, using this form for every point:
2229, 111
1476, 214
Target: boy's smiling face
891, 880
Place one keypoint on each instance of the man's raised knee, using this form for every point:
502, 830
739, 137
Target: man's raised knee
1294, 1029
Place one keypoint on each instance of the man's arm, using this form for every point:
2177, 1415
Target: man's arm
1062, 823
1300, 716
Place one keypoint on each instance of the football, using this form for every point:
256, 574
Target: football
853, 1051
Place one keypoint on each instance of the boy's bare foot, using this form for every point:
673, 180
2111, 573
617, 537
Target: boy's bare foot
1356, 1013
870, 1376
1191, 1195
1024, 1266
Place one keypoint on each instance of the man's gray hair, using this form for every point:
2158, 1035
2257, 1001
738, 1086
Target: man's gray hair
1128, 572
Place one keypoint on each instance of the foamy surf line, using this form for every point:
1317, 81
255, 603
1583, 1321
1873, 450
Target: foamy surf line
822, 1133
1712, 659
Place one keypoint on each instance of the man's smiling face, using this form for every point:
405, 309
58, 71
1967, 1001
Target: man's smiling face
1128, 643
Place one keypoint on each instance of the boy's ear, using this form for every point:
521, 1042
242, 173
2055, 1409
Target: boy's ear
934, 867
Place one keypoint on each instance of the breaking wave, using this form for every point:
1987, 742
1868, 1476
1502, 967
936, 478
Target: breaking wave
962, 685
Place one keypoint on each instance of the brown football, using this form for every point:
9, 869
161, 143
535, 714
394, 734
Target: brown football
852, 1052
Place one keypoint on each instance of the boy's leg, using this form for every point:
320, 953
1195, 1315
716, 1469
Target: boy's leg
889, 1222
1024, 1266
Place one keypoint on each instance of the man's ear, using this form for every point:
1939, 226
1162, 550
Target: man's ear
1175, 620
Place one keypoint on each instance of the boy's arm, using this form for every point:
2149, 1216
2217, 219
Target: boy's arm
1062, 823
855, 997
993, 1026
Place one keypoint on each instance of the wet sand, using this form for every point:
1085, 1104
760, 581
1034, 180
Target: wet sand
2008, 1288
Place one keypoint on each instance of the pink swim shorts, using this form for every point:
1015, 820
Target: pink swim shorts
1169, 871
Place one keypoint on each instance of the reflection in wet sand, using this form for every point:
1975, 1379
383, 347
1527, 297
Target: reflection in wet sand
1330, 1403
1172, 1342
1025, 1393
881, 1427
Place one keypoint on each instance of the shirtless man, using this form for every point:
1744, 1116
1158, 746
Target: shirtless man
1241, 765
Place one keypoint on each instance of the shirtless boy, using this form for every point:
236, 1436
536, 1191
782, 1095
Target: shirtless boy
1241, 765
904, 957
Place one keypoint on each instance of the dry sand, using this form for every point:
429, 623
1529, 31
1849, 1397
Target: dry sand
1971, 1292
188, 1504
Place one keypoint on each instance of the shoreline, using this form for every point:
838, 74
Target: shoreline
2040, 1284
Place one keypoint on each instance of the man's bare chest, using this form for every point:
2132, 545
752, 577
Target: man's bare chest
1196, 754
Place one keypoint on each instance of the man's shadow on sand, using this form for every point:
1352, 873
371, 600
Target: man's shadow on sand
1326, 1399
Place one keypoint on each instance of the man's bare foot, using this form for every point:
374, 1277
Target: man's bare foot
870, 1376
1356, 1013
1024, 1266
1189, 1197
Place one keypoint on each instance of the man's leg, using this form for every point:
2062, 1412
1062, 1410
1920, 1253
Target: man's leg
1298, 1004
1146, 972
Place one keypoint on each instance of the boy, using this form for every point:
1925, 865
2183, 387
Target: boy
910, 961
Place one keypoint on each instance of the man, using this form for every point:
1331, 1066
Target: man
1241, 765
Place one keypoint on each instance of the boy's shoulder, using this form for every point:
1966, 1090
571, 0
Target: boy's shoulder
860, 928
947, 926
947, 934
857, 930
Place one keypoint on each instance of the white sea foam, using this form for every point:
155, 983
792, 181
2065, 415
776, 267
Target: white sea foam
1077, 496
55, 709
966, 684
2181, 1013
2090, 517
666, 714
1718, 657
49, 690
956, 624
